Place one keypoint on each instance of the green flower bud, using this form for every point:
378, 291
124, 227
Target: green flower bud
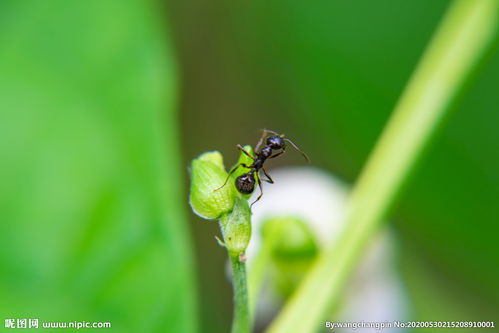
211, 199
292, 251
236, 228
207, 175
292, 238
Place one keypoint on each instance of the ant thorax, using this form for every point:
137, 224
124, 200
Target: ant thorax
265, 152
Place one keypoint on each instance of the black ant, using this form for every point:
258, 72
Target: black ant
245, 183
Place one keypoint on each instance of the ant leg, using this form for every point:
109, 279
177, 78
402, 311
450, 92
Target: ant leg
230, 173
260, 142
272, 132
261, 190
244, 151
275, 155
269, 179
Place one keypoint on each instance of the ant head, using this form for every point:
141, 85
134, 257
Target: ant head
276, 142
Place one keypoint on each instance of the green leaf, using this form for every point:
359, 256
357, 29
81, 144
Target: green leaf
91, 220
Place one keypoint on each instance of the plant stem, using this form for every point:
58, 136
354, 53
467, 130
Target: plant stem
241, 322
466, 32
236, 231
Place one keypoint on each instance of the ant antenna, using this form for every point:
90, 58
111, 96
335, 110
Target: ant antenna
298, 149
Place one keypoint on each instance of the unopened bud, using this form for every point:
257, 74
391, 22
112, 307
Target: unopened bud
208, 198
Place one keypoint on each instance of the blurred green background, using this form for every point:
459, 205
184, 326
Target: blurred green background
104, 103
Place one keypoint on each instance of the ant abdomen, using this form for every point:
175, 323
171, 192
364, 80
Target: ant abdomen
245, 183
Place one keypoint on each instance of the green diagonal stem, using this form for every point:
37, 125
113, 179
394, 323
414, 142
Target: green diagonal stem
466, 32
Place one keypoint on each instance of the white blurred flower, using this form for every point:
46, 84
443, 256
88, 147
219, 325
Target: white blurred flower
374, 292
